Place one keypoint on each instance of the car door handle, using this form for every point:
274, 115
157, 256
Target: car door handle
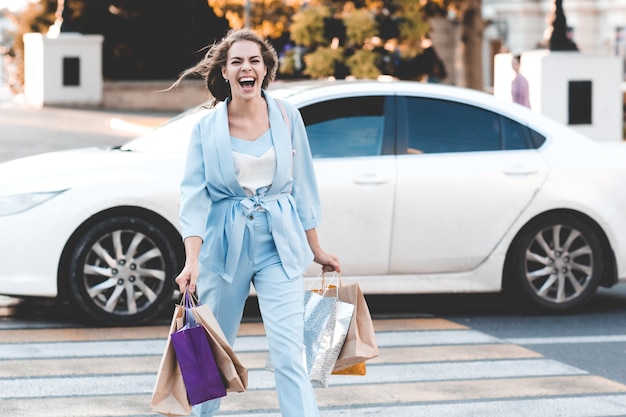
520, 170
370, 179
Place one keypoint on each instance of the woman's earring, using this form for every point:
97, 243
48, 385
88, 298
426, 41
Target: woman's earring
225, 80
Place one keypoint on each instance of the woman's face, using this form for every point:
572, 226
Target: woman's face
245, 69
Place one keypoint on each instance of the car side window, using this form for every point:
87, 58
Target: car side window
436, 126
537, 138
345, 127
516, 136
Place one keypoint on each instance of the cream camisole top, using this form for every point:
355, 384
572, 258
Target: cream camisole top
255, 162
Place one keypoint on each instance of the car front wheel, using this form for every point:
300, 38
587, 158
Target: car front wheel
555, 264
121, 271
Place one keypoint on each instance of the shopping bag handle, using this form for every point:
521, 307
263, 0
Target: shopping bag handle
325, 287
334, 275
189, 300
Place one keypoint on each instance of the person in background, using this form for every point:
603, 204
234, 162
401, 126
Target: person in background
249, 210
519, 86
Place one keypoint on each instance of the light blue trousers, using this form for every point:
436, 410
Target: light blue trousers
281, 303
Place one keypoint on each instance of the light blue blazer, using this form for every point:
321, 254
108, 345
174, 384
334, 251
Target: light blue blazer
214, 206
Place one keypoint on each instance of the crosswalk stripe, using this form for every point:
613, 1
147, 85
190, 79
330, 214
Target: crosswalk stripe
569, 340
160, 332
40, 350
569, 406
255, 360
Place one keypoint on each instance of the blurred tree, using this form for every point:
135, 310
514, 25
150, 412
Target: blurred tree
307, 28
270, 18
412, 25
360, 25
469, 14
36, 17
375, 35
323, 61
364, 64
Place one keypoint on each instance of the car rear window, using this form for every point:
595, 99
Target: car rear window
436, 126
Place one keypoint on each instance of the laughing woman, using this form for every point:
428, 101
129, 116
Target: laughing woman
249, 209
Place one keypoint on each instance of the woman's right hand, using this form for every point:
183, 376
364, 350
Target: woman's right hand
188, 277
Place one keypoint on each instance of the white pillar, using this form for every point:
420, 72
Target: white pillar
63, 70
580, 90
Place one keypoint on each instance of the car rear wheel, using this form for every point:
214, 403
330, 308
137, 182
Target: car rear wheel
121, 271
555, 264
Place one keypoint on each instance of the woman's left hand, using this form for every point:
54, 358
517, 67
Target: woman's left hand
330, 263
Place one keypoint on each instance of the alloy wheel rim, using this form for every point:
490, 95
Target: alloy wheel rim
124, 272
559, 264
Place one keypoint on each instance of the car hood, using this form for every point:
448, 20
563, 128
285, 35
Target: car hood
57, 171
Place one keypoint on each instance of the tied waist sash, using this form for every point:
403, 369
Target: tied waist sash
244, 207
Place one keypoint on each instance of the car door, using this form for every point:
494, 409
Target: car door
465, 174
351, 141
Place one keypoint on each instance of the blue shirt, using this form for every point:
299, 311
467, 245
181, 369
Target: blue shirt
214, 206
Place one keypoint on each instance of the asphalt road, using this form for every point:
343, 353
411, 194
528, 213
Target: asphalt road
26, 130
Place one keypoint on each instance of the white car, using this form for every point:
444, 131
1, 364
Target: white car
425, 189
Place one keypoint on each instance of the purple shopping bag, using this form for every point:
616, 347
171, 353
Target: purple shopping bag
197, 364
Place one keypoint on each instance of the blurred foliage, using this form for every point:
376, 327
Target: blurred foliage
360, 26
364, 64
270, 18
378, 37
37, 17
307, 28
323, 61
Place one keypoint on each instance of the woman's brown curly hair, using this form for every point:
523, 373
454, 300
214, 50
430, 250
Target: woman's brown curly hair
210, 67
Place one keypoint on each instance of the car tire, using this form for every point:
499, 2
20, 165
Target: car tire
121, 271
556, 263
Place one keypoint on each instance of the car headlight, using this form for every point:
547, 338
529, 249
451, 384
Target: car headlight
16, 203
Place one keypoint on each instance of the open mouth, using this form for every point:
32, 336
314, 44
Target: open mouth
247, 82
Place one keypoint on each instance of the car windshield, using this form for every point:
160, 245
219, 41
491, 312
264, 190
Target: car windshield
172, 137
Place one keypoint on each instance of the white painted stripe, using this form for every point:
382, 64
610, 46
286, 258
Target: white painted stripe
434, 337
81, 349
261, 379
567, 340
588, 406
80, 387
445, 371
110, 348
395, 339
585, 406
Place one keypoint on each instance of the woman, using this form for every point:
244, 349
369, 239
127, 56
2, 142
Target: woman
249, 209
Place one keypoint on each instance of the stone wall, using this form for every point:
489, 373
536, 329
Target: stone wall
149, 95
